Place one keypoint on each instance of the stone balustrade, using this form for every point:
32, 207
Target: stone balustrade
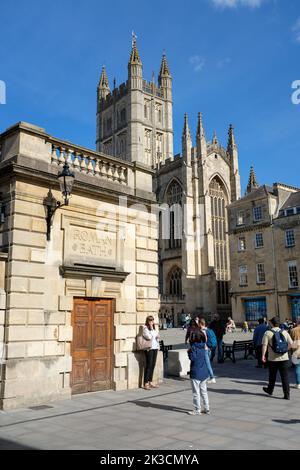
91, 164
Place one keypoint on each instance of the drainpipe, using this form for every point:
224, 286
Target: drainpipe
274, 268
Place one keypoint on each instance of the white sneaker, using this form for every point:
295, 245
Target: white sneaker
194, 413
205, 412
212, 381
298, 387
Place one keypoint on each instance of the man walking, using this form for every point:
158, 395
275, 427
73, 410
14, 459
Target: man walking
258, 339
277, 343
219, 329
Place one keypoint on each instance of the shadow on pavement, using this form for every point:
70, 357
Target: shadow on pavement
148, 404
288, 421
239, 392
258, 383
10, 445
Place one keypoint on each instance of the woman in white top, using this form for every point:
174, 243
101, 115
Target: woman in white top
150, 333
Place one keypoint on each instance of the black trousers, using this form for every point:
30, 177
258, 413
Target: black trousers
283, 368
258, 353
151, 357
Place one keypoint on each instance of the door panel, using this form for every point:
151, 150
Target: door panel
92, 346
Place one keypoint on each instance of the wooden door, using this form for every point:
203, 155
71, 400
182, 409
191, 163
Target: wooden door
91, 346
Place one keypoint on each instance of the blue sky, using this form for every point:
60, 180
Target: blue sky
234, 60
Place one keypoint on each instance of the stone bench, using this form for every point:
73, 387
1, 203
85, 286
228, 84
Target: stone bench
178, 363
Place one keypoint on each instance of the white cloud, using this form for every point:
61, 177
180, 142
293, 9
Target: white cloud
296, 30
237, 3
197, 62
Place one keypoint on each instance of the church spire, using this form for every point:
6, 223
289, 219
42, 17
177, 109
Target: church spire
201, 140
135, 69
103, 87
164, 68
215, 139
252, 184
186, 141
134, 56
231, 138
186, 129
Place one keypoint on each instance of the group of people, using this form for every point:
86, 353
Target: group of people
272, 344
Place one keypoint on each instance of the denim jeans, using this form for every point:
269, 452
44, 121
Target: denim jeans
297, 371
208, 363
200, 393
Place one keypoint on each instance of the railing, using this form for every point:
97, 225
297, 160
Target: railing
87, 163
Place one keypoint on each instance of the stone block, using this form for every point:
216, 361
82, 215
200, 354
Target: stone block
19, 284
120, 385
20, 268
152, 245
124, 332
16, 350
145, 255
127, 318
141, 243
120, 305
54, 318
29, 239
178, 363
21, 222
35, 317
121, 360
65, 303
29, 208
35, 349
141, 268
152, 268
53, 348
38, 225
65, 333
20, 253
2, 300
37, 256
25, 333
16, 300
2, 317
38, 286
51, 332
147, 281
153, 293
17, 317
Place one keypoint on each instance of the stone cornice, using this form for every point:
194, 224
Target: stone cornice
88, 271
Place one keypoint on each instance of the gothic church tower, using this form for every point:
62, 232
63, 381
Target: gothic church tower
135, 120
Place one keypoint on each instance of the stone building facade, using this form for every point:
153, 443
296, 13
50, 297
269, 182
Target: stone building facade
70, 308
264, 228
135, 123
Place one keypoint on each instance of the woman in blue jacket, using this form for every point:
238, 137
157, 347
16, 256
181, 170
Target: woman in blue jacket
199, 373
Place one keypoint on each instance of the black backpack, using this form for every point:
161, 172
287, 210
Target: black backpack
279, 343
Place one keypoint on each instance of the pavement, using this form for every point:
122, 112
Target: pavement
242, 416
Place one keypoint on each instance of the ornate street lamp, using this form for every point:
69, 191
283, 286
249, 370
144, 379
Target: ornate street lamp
66, 180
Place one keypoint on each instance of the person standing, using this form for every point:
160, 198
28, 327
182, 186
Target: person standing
219, 329
150, 333
199, 374
259, 333
277, 343
295, 335
211, 344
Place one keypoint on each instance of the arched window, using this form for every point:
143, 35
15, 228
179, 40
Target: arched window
219, 201
174, 201
175, 283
